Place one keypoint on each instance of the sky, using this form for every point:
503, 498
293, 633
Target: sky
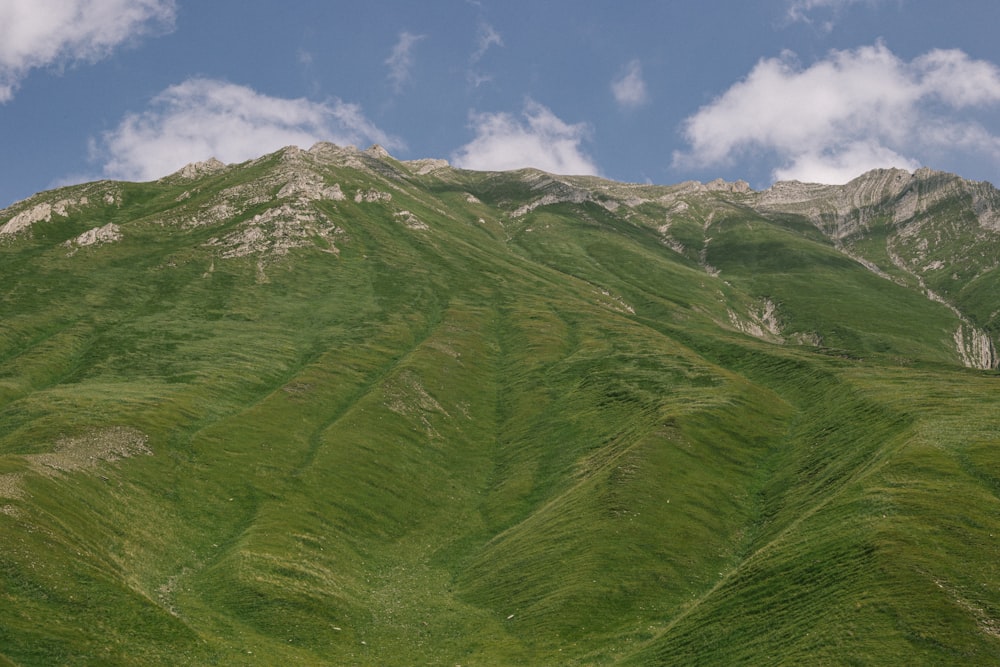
645, 91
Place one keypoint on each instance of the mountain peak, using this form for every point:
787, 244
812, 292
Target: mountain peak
376, 150
197, 169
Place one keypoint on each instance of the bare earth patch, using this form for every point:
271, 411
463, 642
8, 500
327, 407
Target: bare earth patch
79, 453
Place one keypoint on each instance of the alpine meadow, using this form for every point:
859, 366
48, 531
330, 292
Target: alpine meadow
326, 407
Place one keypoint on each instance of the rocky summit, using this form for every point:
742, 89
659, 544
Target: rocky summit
329, 407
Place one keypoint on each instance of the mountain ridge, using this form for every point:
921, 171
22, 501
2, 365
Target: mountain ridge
893, 199
327, 407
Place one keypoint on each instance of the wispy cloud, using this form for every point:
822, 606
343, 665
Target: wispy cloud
203, 118
629, 89
538, 138
400, 61
41, 33
487, 38
823, 12
850, 112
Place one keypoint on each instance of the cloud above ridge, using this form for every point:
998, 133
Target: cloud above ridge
202, 118
538, 138
853, 111
43, 33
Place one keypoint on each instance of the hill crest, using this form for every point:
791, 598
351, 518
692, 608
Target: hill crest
289, 199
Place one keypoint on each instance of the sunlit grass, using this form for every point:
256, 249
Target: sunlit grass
521, 440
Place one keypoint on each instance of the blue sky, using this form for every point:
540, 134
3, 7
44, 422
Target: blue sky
643, 91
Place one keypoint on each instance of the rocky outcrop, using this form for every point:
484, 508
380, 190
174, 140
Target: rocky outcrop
975, 347
41, 212
410, 221
277, 230
25, 219
839, 210
736, 188
311, 187
844, 210
429, 166
109, 233
198, 169
372, 196
761, 321
30, 213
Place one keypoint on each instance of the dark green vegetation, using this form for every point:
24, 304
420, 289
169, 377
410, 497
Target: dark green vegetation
440, 428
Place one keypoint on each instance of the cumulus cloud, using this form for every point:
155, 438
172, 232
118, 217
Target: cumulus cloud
537, 139
203, 118
850, 112
40, 33
630, 88
400, 61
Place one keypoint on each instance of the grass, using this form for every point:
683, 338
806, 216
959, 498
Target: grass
531, 440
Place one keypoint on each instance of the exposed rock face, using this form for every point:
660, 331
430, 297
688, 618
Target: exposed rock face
25, 219
975, 347
762, 321
737, 187
839, 210
296, 192
199, 169
842, 210
109, 233
41, 212
377, 152
424, 167
372, 196
555, 191
278, 230
411, 221
310, 186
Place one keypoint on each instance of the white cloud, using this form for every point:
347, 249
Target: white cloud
538, 139
842, 165
853, 111
488, 36
203, 118
40, 33
804, 11
400, 61
630, 88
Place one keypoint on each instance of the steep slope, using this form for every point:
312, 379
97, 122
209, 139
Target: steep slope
929, 230
326, 407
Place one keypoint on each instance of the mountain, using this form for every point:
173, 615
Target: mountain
328, 407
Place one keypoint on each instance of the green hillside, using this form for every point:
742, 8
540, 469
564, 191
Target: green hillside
327, 407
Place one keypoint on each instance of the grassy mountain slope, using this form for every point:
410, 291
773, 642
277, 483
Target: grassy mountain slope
330, 408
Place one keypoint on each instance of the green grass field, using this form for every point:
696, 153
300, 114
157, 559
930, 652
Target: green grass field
494, 439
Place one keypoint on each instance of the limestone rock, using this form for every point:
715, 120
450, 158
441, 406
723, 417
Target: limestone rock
109, 233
